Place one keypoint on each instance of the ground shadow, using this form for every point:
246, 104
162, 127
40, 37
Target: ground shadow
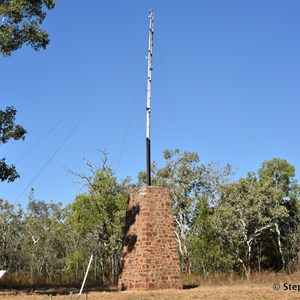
190, 286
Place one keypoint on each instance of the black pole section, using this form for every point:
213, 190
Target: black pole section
148, 159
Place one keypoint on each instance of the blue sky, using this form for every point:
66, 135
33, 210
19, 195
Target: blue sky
225, 84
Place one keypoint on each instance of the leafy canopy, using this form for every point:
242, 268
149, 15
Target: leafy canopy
279, 172
9, 130
247, 209
21, 20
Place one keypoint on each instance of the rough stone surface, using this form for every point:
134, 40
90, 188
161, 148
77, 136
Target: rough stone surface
149, 258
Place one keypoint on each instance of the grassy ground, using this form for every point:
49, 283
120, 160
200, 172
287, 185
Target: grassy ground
259, 288
241, 292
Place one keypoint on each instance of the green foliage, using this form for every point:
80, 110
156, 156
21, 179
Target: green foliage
98, 218
220, 226
10, 233
247, 209
101, 207
21, 20
279, 172
9, 130
44, 237
207, 255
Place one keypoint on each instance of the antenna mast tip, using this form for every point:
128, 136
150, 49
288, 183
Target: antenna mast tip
150, 13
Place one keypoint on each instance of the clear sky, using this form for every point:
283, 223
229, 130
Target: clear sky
226, 83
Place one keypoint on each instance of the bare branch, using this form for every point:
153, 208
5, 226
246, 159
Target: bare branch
33, 239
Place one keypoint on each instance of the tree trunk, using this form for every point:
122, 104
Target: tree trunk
247, 269
248, 273
184, 246
204, 270
279, 244
95, 268
76, 272
259, 257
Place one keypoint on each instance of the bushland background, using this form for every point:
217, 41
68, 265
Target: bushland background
223, 227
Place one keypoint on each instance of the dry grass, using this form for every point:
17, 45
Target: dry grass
241, 292
225, 288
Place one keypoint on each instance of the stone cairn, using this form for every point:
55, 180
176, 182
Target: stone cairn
149, 259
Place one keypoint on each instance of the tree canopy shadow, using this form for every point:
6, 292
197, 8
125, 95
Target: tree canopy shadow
129, 239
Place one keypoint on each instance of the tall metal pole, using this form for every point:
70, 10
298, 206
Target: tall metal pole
149, 57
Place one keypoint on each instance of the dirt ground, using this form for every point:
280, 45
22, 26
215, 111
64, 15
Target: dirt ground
224, 292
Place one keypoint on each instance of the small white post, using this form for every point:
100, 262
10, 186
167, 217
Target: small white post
85, 276
2, 272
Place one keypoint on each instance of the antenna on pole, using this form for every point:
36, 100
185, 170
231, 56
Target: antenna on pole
149, 58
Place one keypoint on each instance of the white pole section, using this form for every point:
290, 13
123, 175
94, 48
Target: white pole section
2, 272
85, 276
149, 57
149, 80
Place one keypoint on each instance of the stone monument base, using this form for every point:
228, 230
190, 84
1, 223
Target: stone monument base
149, 258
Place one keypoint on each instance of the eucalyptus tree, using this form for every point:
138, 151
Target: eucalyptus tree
9, 130
247, 210
20, 24
281, 174
207, 255
98, 216
10, 236
45, 244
